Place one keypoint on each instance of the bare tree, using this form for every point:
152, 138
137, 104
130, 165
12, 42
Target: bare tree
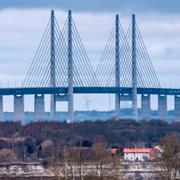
117, 167
82, 163
61, 163
67, 162
169, 157
80, 158
54, 161
102, 159
7, 155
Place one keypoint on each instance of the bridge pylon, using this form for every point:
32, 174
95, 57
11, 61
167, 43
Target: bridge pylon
117, 69
52, 67
70, 69
134, 70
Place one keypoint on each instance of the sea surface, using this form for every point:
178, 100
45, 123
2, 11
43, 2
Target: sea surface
81, 116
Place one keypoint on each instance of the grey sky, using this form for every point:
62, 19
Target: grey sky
22, 23
164, 6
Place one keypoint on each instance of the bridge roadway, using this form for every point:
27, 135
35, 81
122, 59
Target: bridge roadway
87, 90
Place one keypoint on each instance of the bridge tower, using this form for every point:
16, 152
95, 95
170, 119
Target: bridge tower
52, 66
70, 69
117, 69
134, 70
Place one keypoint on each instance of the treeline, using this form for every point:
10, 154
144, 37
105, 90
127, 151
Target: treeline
38, 138
71, 147
123, 133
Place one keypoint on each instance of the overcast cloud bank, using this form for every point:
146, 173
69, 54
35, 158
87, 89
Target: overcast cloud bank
22, 24
127, 6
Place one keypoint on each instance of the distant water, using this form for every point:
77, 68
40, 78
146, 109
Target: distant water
80, 116
30, 116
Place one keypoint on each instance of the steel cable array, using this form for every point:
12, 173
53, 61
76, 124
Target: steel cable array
39, 74
146, 76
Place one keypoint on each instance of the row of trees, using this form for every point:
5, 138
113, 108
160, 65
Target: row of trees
64, 146
100, 163
93, 163
122, 133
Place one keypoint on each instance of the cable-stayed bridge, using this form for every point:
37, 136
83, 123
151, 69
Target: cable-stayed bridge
61, 68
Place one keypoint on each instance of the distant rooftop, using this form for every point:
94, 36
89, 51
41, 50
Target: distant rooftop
138, 150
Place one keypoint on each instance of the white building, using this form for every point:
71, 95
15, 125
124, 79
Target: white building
138, 154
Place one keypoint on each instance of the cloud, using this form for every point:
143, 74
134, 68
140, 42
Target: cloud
19, 39
127, 6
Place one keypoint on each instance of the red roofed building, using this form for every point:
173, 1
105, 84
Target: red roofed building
114, 150
138, 154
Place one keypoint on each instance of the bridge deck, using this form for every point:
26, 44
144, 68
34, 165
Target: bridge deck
87, 90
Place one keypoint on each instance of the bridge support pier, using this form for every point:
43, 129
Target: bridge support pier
53, 107
1, 108
39, 107
162, 107
61, 98
145, 107
117, 106
19, 108
176, 108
